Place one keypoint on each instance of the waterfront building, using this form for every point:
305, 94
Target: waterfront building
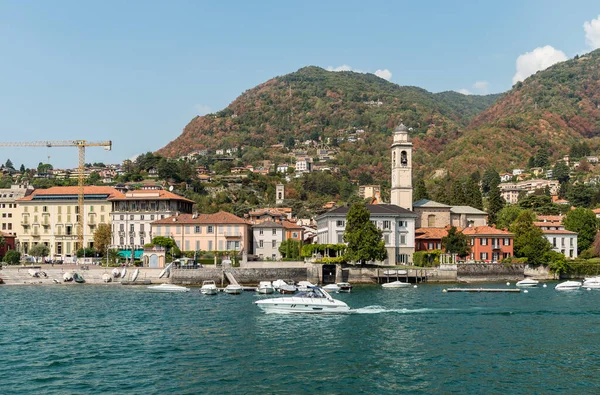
562, 240
9, 243
49, 216
431, 214
221, 231
9, 220
268, 236
133, 212
396, 223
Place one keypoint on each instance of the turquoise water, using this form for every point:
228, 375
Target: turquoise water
111, 339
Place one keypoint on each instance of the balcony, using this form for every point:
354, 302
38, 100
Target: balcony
232, 235
496, 247
142, 233
121, 234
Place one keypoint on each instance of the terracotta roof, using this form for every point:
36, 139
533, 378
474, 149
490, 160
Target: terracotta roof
87, 190
151, 194
430, 233
559, 232
550, 218
596, 211
545, 224
221, 217
485, 231
271, 210
291, 225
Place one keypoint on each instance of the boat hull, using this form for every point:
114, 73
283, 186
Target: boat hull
529, 284
302, 305
209, 291
168, 288
568, 286
396, 284
233, 290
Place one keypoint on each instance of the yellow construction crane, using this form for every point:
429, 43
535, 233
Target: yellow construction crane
81, 144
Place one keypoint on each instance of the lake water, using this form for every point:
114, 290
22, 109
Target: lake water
120, 339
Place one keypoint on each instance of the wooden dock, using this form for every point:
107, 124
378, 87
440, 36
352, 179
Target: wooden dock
505, 290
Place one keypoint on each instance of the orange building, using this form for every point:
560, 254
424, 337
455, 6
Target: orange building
489, 244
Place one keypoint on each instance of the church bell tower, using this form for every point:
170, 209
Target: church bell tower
402, 190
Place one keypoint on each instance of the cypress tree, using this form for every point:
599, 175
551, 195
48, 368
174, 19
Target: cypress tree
420, 191
473, 194
495, 203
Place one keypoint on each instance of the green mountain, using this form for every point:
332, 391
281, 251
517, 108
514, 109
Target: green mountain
551, 110
313, 103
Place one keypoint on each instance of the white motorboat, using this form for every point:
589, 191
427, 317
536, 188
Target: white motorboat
315, 300
265, 287
135, 275
345, 287
168, 288
396, 284
166, 270
287, 289
123, 272
209, 288
278, 284
568, 286
68, 276
305, 285
233, 289
116, 273
528, 282
593, 283
332, 288
106, 277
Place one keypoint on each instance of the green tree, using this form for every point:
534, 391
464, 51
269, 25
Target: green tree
102, 237
22, 169
93, 178
580, 195
456, 243
86, 252
9, 164
290, 249
362, 236
495, 203
39, 250
165, 242
531, 162
539, 204
420, 191
584, 222
541, 158
529, 242
12, 257
473, 196
365, 179
490, 178
506, 216
457, 195
561, 172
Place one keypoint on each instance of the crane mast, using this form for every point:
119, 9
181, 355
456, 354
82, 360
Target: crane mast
81, 145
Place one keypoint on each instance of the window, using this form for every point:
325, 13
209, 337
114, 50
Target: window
506, 241
101, 209
142, 217
122, 227
472, 242
483, 256
387, 224
132, 228
69, 230
197, 229
386, 239
340, 224
340, 238
152, 217
571, 242
274, 231
483, 241
431, 221
122, 217
142, 241
187, 230
260, 232
274, 244
402, 224
402, 258
294, 235
210, 245
554, 241
141, 227
402, 240
210, 229
91, 209
197, 245
131, 217
187, 245
102, 218
131, 240
260, 244
178, 230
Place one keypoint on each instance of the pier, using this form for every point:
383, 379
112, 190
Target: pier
508, 290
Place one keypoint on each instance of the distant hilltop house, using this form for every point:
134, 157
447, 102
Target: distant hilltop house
517, 172
506, 177
373, 103
592, 159
369, 191
273, 214
510, 191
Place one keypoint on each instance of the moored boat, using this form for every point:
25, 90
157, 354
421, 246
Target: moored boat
396, 284
68, 276
593, 283
305, 285
123, 272
265, 287
315, 300
568, 286
106, 277
233, 289
528, 282
168, 288
209, 288
331, 288
287, 289
78, 278
135, 275
345, 287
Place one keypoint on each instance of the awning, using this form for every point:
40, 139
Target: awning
127, 254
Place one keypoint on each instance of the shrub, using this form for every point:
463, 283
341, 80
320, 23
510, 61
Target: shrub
12, 257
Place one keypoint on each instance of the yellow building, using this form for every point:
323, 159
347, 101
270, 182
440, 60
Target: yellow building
49, 216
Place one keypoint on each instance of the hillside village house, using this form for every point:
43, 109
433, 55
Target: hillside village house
221, 231
275, 214
49, 216
562, 240
133, 212
397, 224
432, 214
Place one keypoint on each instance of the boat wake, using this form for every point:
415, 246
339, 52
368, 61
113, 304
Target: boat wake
381, 309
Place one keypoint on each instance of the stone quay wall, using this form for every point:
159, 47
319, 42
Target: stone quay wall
243, 276
489, 272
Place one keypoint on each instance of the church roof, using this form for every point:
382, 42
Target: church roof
383, 209
401, 129
429, 204
466, 210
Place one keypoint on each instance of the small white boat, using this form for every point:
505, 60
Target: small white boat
278, 284
332, 288
68, 276
528, 282
568, 286
106, 278
136, 273
116, 273
233, 289
305, 285
593, 283
315, 300
265, 287
209, 288
345, 287
396, 284
123, 272
166, 270
168, 288
287, 289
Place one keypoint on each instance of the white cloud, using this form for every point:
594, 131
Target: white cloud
381, 73
385, 74
539, 59
202, 109
592, 33
481, 87
464, 91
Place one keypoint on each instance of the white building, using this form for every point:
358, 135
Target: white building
402, 190
563, 241
267, 237
304, 165
396, 223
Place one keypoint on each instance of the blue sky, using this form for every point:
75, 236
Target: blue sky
135, 72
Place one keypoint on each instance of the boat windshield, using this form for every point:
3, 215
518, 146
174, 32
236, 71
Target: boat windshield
311, 293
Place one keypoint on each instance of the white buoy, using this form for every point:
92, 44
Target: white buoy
507, 283
545, 285
525, 291
589, 289
415, 286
